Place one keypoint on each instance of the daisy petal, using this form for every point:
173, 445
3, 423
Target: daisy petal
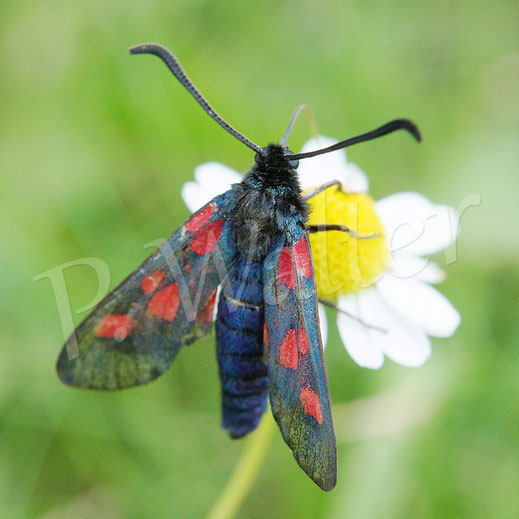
402, 341
407, 344
421, 304
194, 196
414, 225
317, 171
354, 180
404, 266
212, 179
358, 338
323, 324
217, 177
432, 273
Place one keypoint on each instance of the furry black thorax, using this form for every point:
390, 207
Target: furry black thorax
267, 201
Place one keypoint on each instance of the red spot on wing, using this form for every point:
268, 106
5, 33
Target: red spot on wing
291, 259
288, 350
286, 273
165, 302
151, 282
265, 335
303, 258
311, 404
204, 241
114, 326
207, 313
198, 219
302, 341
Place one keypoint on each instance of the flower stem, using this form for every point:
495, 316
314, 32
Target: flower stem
244, 473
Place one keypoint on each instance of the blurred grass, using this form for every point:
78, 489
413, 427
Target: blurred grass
94, 147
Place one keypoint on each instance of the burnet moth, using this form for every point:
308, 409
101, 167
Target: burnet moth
252, 242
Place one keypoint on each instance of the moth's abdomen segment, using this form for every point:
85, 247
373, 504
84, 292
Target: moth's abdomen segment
239, 336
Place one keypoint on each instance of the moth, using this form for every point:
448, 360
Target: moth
250, 244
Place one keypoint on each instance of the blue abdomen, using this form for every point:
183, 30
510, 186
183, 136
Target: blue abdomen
239, 348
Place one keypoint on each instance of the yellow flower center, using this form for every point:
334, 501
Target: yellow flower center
344, 263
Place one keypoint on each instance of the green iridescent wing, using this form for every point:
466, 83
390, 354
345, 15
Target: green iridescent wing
298, 386
135, 332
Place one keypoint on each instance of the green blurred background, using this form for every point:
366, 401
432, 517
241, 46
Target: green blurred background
94, 148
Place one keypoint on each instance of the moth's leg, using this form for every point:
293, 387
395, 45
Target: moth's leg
336, 227
329, 304
320, 189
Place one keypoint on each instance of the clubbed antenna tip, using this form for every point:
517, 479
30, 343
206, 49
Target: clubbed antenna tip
390, 127
174, 66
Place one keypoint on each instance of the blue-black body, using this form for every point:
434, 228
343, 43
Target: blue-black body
267, 202
239, 346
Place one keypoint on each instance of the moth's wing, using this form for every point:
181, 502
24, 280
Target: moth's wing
135, 332
298, 385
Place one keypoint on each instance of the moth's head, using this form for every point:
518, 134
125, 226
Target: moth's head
275, 156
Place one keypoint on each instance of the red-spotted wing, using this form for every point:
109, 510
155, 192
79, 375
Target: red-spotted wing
135, 332
298, 384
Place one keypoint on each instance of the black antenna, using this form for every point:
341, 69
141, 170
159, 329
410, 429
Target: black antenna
397, 124
172, 63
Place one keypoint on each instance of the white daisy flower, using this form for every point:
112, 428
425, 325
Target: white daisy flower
381, 283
